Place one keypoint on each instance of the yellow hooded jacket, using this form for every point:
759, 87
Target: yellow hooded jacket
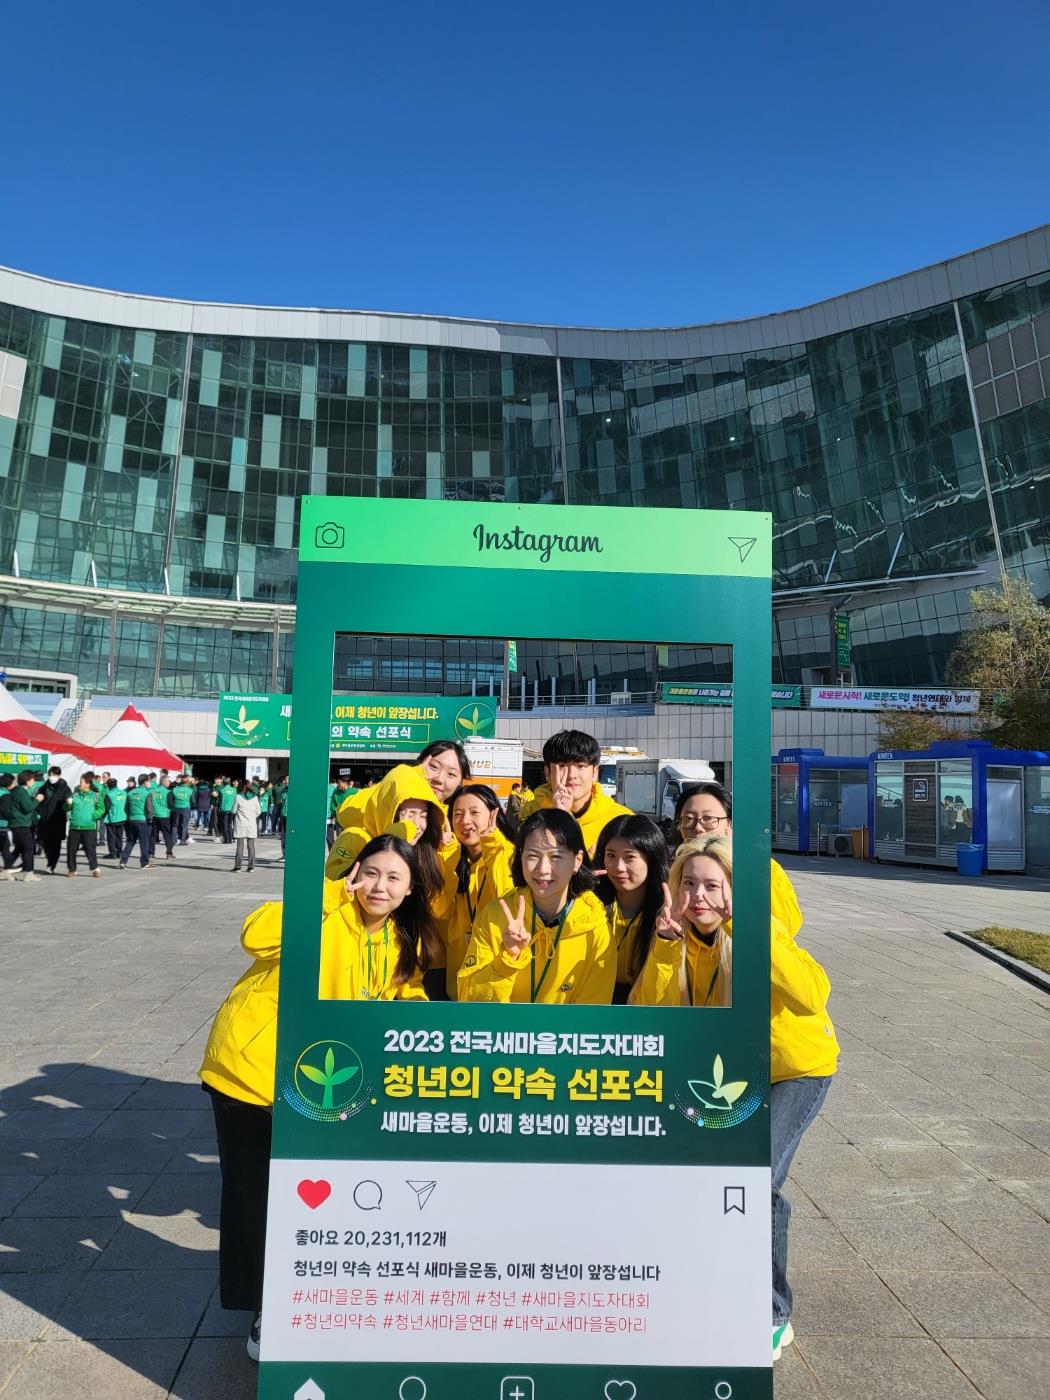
455, 912
599, 812
661, 982
241, 1054
358, 966
575, 967
373, 812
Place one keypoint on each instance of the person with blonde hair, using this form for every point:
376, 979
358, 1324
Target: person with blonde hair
690, 959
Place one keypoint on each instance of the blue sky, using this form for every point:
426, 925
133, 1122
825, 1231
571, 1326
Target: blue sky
599, 164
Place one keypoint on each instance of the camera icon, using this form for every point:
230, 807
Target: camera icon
329, 536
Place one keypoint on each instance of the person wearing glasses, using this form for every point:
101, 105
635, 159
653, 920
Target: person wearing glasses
706, 809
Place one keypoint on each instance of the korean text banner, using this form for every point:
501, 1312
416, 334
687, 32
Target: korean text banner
359, 723
784, 697
953, 702
14, 760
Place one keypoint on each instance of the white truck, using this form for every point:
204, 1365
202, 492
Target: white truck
612, 757
652, 786
496, 762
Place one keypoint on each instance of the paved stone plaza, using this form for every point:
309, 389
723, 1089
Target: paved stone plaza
920, 1241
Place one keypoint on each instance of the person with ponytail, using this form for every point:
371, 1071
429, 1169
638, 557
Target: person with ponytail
547, 941
377, 944
631, 862
690, 960
477, 868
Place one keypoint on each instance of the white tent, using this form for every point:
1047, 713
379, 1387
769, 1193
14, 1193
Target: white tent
19, 731
131, 748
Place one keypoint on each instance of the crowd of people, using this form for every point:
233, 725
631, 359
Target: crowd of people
432, 892
110, 819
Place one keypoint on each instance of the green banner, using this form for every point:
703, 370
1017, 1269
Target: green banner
547, 538
783, 697
14, 760
359, 723
842, 645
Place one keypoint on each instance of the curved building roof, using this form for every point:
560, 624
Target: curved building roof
1025, 255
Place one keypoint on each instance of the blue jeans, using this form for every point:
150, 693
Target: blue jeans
793, 1104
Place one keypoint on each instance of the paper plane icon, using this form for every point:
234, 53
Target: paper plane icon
423, 1189
745, 546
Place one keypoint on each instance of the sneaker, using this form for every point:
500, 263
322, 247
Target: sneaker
70, 874
96, 874
170, 855
122, 866
254, 1342
783, 1336
32, 876
51, 869
6, 875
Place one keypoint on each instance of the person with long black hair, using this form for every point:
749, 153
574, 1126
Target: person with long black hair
377, 945
548, 940
631, 862
477, 868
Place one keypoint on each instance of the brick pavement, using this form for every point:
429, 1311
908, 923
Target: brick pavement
921, 1248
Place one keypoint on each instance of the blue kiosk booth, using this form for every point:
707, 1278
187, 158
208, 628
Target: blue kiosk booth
925, 804
818, 802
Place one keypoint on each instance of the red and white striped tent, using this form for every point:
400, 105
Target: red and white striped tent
131, 748
19, 730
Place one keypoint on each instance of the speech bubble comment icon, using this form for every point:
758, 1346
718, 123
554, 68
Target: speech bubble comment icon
412, 1388
368, 1195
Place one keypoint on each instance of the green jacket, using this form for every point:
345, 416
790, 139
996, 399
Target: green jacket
84, 810
264, 799
181, 797
140, 804
227, 797
161, 802
116, 803
23, 808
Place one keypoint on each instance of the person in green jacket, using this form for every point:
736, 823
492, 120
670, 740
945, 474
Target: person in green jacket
115, 805
21, 816
84, 808
181, 801
227, 801
162, 825
140, 811
265, 796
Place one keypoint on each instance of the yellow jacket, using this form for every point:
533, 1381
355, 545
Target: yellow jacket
372, 812
783, 902
624, 934
577, 967
241, 1054
661, 981
802, 1039
599, 812
356, 966
454, 913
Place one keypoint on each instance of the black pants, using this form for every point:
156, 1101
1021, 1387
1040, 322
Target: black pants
24, 838
226, 826
52, 834
115, 838
180, 823
89, 841
137, 832
7, 854
243, 1134
161, 828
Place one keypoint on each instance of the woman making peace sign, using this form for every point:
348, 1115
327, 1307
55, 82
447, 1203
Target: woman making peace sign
377, 945
548, 940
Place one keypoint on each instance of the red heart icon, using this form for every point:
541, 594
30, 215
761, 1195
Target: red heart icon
314, 1193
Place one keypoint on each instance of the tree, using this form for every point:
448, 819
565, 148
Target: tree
915, 729
1006, 656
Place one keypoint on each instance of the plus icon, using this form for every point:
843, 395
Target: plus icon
517, 1388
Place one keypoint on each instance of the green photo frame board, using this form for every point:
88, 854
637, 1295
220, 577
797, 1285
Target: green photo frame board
522, 1202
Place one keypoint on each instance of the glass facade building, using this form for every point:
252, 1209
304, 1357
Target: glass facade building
152, 455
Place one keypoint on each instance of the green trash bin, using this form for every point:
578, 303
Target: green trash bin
969, 858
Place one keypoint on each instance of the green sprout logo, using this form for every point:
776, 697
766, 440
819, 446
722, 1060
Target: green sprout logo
718, 1089
330, 1075
472, 719
239, 730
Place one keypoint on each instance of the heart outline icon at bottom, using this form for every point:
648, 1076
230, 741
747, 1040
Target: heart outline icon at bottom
315, 1193
620, 1390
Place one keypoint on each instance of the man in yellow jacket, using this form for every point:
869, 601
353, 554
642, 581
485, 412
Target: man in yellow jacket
570, 766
